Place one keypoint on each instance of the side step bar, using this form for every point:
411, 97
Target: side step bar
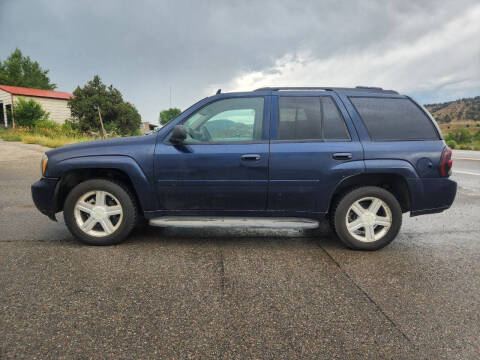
226, 222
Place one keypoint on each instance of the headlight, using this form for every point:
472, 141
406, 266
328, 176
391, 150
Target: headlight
43, 164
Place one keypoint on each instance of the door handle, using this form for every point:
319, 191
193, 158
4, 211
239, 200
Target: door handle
250, 157
342, 156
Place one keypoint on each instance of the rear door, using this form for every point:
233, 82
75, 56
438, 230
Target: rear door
313, 147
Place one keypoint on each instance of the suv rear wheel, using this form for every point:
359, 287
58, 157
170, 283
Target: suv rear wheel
367, 218
100, 212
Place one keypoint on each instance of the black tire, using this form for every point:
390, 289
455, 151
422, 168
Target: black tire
342, 205
126, 201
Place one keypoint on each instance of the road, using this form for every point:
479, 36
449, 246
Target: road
467, 162
236, 294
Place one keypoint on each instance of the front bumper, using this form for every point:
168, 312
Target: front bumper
429, 196
45, 197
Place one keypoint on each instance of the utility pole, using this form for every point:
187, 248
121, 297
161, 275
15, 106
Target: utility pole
101, 122
170, 97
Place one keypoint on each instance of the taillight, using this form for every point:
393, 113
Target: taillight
446, 163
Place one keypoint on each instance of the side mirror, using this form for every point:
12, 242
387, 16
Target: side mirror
178, 134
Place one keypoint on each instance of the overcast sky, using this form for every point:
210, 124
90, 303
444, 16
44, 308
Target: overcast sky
427, 49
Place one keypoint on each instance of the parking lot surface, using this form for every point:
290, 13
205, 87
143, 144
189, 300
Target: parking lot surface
236, 294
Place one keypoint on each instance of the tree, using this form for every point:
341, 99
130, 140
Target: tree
19, 70
128, 120
96, 101
29, 113
169, 114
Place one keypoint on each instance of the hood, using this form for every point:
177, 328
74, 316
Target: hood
128, 146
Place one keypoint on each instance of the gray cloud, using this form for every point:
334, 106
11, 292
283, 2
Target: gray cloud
143, 47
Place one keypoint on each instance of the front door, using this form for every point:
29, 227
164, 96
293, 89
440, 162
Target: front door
222, 166
311, 151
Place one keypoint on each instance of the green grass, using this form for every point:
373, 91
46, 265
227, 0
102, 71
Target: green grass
44, 136
474, 145
10, 135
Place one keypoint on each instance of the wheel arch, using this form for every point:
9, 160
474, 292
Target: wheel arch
392, 182
117, 168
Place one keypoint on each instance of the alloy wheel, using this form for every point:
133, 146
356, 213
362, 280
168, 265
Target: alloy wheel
98, 213
369, 219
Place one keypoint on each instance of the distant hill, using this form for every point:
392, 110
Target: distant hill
224, 128
463, 111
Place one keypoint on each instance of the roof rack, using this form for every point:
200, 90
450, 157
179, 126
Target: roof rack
291, 88
368, 88
357, 88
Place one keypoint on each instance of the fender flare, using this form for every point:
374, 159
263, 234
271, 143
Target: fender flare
391, 166
141, 184
400, 168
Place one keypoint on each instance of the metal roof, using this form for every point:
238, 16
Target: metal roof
16, 90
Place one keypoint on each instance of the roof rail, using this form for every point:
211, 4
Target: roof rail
291, 88
357, 88
374, 89
368, 87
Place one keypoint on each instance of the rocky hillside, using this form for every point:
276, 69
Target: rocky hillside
464, 110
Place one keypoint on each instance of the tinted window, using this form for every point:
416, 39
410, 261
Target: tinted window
299, 118
394, 119
334, 127
228, 120
302, 118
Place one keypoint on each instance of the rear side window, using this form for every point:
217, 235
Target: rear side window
300, 118
310, 118
394, 119
334, 127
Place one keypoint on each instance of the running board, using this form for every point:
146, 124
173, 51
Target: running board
226, 222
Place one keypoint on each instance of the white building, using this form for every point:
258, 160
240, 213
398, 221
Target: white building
53, 102
146, 127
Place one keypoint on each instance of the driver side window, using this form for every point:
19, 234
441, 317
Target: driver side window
228, 120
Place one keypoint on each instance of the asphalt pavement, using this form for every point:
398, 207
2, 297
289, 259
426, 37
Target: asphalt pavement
237, 294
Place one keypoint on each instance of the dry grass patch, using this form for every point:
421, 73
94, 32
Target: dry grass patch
32, 137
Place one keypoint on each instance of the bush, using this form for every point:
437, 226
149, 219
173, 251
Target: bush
477, 135
452, 144
47, 124
461, 136
28, 113
67, 127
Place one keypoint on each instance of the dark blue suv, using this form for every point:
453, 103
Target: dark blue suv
271, 157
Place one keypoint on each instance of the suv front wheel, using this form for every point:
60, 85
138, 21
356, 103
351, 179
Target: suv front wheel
367, 218
100, 212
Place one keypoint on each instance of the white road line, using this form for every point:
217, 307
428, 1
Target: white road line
465, 172
459, 158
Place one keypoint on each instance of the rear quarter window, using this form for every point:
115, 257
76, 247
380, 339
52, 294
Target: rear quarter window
389, 119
